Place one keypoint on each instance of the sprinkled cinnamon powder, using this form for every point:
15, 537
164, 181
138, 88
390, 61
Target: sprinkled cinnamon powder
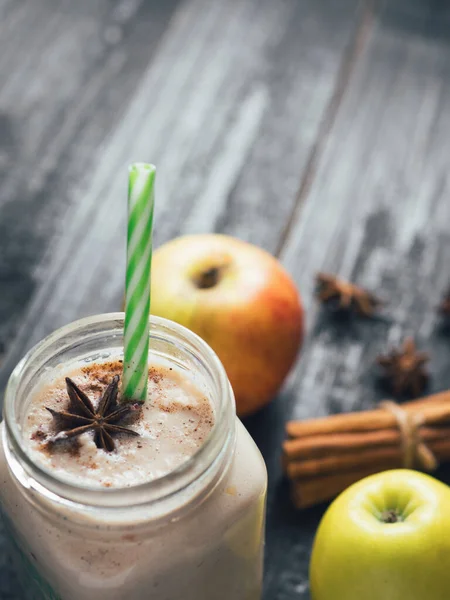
176, 419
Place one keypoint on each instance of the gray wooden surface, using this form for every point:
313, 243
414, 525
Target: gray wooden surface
314, 128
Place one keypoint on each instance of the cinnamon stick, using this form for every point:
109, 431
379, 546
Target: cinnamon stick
308, 492
380, 459
324, 456
436, 406
315, 446
364, 421
313, 490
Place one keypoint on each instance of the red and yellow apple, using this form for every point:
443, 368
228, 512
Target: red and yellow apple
386, 537
241, 301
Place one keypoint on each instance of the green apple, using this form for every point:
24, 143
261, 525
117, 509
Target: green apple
240, 300
386, 537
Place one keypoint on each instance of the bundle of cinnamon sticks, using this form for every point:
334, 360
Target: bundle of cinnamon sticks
323, 456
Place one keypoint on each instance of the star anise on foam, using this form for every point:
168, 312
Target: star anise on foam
405, 369
105, 420
343, 295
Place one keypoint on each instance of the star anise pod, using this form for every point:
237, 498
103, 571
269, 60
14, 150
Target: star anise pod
105, 420
405, 369
343, 295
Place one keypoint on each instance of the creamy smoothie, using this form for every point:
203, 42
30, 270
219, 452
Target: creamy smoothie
175, 512
171, 426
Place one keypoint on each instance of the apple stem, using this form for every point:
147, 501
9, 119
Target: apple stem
391, 516
209, 278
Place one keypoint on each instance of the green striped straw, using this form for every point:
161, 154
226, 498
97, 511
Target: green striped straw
137, 285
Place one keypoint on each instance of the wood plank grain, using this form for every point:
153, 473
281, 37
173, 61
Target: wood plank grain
299, 77
377, 212
224, 80
61, 93
381, 188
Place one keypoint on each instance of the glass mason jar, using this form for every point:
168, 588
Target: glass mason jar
194, 534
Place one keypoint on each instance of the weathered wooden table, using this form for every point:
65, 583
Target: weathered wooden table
314, 128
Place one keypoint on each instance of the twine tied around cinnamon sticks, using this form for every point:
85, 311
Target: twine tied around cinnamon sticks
415, 452
323, 456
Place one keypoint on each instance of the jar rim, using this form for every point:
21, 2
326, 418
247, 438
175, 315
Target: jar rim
32, 474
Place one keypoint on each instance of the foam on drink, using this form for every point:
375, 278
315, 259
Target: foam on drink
175, 421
